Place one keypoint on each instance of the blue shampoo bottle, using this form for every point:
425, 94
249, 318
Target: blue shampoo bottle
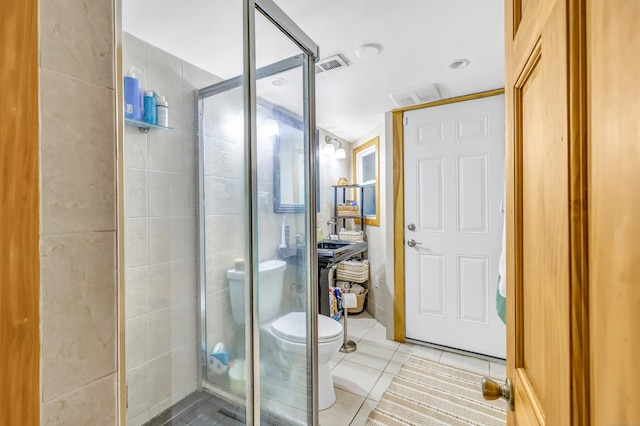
150, 104
132, 96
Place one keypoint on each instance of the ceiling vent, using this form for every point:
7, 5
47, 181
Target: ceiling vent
415, 96
331, 63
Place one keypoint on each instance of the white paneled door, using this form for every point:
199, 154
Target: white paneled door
454, 173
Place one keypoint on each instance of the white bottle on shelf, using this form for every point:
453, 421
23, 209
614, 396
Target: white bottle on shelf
162, 112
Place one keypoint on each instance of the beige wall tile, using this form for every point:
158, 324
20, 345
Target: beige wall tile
226, 159
160, 332
136, 282
139, 391
167, 194
223, 233
172, 282
166, 239
135, 148
76, 38
184, 323
216, 273
136, 242
94, 404
164, 151
196, 78
160, 379
135, 193
183, 366
77, 155
78, 311
137, 340
163, 66
160, 278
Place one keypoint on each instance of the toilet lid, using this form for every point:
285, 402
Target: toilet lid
293, 327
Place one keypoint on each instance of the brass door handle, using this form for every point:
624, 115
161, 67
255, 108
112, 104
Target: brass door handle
492, 390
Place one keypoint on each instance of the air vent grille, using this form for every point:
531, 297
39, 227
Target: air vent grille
331, 63
415, 96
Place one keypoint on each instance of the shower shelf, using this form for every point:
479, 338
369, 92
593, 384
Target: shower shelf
145, 127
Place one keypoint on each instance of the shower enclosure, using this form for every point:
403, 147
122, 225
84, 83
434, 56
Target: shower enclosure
256, 151
217, 250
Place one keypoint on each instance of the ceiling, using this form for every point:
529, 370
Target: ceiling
420, 38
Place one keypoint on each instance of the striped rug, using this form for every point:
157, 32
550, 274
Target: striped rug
428, 393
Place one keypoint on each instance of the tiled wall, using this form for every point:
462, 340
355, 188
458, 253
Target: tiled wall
78, 229
161, 237
224, 213
378, 295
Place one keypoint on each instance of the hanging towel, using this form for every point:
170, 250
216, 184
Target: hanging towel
501, 292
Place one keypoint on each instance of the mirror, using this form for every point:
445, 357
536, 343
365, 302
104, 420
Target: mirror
289, 163
366, 172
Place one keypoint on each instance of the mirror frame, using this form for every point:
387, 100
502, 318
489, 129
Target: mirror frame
286, 117
375, 142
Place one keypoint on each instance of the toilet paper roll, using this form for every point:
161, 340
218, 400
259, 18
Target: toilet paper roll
349, 300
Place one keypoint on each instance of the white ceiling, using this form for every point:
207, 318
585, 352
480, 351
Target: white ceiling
419, 38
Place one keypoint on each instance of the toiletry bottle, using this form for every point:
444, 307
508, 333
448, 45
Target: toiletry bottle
162, 113
283, 236
132, 96
150, 108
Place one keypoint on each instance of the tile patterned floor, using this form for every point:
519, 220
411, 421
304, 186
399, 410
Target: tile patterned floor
361, 377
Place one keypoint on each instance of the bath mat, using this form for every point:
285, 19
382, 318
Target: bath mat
428, 393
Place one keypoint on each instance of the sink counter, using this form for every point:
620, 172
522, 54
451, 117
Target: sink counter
331, 251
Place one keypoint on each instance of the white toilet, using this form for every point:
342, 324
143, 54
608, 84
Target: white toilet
290, 330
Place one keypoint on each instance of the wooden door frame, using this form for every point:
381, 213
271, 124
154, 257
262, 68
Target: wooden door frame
399, 301
19, 215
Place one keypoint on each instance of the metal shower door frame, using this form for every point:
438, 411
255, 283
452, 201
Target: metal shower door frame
310, 54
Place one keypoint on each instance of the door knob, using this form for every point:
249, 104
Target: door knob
492, 390
411, 227
412, 243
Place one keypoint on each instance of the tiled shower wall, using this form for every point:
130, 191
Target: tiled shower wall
160, 237
78, 213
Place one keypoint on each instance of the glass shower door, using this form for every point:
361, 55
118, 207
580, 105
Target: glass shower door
284, 216
257, 219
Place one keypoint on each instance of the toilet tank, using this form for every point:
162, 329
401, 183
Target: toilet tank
271, 288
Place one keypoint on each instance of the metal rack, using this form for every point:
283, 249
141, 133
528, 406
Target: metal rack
335, 218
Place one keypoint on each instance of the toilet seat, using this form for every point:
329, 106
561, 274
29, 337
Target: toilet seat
293, 328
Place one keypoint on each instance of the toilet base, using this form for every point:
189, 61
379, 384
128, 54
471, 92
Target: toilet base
326, 392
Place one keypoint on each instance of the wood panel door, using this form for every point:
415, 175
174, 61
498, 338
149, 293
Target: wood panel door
543, 243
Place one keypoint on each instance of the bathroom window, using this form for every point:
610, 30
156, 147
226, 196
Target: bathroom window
366, 171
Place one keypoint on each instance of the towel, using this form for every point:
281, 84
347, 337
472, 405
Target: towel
502, 265
501, 292
357, 289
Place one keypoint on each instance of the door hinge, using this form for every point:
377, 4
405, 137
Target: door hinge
406, 121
